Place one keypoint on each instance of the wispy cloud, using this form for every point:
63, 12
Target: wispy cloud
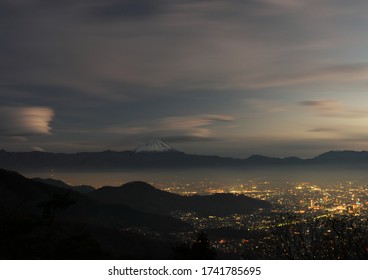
324, 130
38, 149
188, 139
334, 108
190, 122
265, 106
337, 73
323, 105
17, 139
175, 127
118, 10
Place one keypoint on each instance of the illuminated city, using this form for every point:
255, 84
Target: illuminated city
304, 200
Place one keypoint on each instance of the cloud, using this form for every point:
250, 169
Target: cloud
126, 9
170, 44
323, 105
337, 73
186, 139
178, 128
24, 121
265, 106
334, 108
121, 59
323, 129
38, 149
191, 122
18, 139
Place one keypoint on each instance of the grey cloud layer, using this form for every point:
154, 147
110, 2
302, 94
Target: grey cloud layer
105, 62
93, 47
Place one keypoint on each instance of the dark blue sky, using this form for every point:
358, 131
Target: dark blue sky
231, 77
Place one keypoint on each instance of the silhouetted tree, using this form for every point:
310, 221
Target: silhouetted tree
43, 237
56, 203
199, 249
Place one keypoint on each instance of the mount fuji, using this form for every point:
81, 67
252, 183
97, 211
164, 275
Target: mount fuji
156, 145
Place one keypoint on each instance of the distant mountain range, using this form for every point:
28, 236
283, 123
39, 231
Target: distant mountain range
158, 154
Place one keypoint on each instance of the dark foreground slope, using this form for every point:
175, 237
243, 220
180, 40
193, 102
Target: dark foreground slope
27, 197
140, 195
39, 221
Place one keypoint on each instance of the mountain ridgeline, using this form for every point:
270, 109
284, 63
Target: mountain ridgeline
159, 155
25, 197
145, 197
135, 204
41, 221
48, 219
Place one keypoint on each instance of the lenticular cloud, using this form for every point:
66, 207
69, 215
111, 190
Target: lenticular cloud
21, 121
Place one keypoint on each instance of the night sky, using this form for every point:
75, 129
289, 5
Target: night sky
231, 78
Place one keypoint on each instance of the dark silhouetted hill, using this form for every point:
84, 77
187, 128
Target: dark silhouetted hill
342, 158
140, 195
21, 196
40, 221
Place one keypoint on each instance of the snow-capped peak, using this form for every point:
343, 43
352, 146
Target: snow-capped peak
156, 145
